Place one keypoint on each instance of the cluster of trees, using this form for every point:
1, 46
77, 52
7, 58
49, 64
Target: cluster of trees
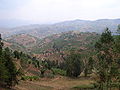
74, 65
8, 71
9, 74
26, 60
105, 63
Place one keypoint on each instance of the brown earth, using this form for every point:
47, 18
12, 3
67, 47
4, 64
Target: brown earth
57, 83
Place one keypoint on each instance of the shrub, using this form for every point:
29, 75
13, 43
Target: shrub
29, 78
49, 75
59, 71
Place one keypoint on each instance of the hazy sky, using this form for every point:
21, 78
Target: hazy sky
59, 10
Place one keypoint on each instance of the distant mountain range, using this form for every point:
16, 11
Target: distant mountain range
42, 31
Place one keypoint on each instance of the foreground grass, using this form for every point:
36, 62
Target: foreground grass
57, 83
25, 85
90, 86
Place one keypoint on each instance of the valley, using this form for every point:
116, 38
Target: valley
69, 59
59, 44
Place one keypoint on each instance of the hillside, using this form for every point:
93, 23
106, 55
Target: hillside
41, 31
54, 46
64, 41
48, 64
67, 41
14, 46
21, 42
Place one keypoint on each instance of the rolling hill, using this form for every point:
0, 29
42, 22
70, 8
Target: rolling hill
66, 41
21, 42
41, 31
53, 46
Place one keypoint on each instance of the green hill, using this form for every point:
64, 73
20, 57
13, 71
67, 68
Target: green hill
66, 41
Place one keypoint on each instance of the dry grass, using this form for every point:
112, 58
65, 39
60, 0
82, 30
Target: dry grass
57, 83
25, 85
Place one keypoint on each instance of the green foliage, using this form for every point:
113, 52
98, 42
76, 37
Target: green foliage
90, 63
8, 71
73, 65
117, 40
106, 67
58, 71
67, 41
16, 54
3, 71
12, 80
118, 30
30, 78
106, 37
88, 66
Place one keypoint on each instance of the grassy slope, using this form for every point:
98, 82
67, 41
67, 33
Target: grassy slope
57, 83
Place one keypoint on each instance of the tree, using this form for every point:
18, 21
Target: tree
1, 45
88, 66
105, 62
73, 65
7, 67
55, 47
3, 69
12, 71
16, 54
90, 63
117, 40
3, 72
118, 30
117, 50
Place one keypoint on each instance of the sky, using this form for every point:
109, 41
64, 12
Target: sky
48, 11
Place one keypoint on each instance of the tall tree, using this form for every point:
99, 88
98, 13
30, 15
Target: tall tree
1, 45
117, 42
105, 59
73, 65
8, 71
16, 54
12, 71
3, 69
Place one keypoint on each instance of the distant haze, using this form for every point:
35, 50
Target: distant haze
20, 12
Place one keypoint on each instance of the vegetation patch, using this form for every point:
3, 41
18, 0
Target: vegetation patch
59, 71
29, 78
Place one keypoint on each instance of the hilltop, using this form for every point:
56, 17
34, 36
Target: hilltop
41, 31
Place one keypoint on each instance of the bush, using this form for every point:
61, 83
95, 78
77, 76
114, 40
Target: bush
29, 78
49, 75
59, 71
